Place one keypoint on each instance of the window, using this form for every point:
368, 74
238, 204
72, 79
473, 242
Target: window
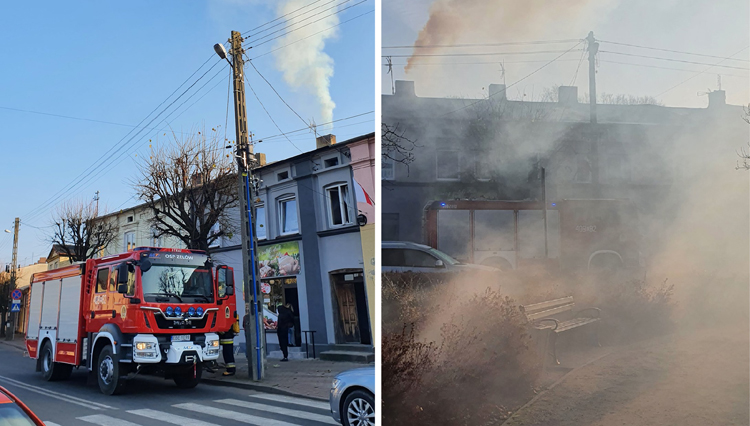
260, 222
155, 240
128, 240
130, 219
338, 205
388, 169
447, 165
288, 216
101, 280
393, 257
113, 278
419, 259
131, 282
282, 176
331, 162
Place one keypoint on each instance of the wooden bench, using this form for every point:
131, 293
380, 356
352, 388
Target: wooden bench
547, 317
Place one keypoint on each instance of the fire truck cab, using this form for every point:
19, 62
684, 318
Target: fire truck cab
150, 310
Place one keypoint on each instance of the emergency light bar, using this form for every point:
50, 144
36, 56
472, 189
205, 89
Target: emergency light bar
171, 250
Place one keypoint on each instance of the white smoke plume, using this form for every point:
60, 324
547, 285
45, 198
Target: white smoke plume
304, 64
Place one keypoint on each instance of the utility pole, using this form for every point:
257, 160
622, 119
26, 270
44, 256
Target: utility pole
544, 213
593, 47
246, 161
10, 335
96, 198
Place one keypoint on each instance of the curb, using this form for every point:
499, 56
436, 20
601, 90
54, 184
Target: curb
259, 388
13, 345
552, 386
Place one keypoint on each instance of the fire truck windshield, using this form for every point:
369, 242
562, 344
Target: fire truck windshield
176, 283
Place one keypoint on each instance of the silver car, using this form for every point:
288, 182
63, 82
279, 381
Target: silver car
404, 256
353, 394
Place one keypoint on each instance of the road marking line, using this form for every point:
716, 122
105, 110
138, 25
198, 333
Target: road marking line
292, 400
102, 420
50, 424
279, 410
58, 394
34, 389
169, 418
231, 415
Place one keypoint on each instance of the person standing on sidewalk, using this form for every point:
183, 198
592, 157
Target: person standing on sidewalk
226, 340
285, 322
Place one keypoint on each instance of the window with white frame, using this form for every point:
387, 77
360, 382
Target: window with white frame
482, 168
339, 207
388, 168
448, 165
288, 223
128, 240
260, 222
155, 240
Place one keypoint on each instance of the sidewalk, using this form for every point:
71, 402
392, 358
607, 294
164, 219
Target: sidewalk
309, 378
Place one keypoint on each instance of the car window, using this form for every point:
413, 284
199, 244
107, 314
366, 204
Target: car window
393, 257
419, 259
11, 414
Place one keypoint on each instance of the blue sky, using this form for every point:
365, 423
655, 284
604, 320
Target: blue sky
116, 61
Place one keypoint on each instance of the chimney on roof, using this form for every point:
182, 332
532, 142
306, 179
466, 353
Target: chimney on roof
42, 260
405, 88
717, 98
324, 141
567, 95
497, 92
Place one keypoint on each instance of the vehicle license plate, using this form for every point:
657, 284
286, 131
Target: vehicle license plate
181, 338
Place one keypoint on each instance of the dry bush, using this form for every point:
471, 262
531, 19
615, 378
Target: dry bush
482, 363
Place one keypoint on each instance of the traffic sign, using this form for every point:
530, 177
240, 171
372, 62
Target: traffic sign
17, 294
16, 307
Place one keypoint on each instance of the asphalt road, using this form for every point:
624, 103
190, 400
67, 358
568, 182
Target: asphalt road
150, 401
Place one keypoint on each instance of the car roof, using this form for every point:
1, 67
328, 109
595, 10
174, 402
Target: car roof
403, 244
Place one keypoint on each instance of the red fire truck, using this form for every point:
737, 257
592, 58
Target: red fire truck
582, 234
150, 310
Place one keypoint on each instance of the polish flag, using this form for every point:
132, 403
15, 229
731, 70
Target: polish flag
361, 194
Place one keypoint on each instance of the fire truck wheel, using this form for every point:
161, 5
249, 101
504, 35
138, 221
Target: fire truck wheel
188, 378
108, 372
53, 370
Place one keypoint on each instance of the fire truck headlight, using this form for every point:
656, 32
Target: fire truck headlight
143, 346
178, 311
214, 343
169, 311
199, 311
191, 311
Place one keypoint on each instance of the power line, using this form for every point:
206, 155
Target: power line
65, 116
289, 25
512, 43
276, 19
277, 93
322, 124
310, 23
103, 156
477, 54
666, 68
517, 81
269, 116
673, 60
696, 75
313, 34
319, 127
93, 171
293, 17
673, 51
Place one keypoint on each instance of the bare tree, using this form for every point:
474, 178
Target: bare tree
395, 146
79, 232
189, 186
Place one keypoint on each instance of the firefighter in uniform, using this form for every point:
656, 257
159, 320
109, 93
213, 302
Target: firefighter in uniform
226, 340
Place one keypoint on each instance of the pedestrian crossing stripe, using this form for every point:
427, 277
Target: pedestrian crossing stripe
292, 400
278, 410
169, 418
102, 420
232, 415
50, 424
